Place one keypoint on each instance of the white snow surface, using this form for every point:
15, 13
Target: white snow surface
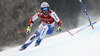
83, 43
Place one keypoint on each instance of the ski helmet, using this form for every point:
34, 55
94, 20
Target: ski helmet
44, 6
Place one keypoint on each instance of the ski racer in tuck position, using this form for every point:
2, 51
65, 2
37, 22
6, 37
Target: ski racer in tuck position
48, 17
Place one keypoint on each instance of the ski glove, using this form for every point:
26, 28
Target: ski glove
59, 29
28, 30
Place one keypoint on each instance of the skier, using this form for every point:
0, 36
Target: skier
48, 17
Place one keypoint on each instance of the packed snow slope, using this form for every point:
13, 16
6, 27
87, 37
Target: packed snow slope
83, 43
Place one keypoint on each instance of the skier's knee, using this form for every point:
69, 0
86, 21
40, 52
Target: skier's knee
32, 37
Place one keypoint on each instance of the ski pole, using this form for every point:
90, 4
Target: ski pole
86, 13
21, 31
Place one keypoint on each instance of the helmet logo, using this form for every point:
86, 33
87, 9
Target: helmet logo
44, 5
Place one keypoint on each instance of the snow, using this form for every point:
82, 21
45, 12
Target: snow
84, 43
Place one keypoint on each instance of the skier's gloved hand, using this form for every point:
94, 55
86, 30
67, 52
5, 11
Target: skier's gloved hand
58, 29
28, 30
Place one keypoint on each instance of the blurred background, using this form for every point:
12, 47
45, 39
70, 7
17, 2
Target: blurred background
15, 16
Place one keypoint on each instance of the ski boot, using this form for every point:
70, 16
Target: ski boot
23, 47
38, 42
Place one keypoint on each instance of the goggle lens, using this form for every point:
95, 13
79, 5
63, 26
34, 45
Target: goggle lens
43, 9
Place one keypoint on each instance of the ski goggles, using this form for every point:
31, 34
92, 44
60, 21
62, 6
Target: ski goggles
45, 8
